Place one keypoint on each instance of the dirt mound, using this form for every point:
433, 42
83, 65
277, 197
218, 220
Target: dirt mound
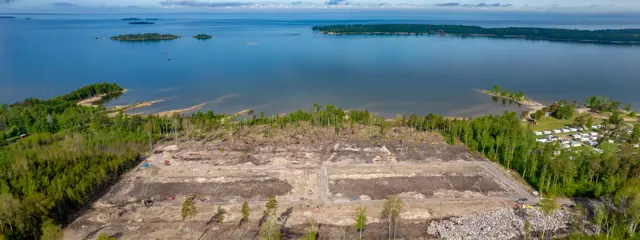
380, 188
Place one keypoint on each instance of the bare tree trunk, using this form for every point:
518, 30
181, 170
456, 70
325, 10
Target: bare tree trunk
395, 225
389, 229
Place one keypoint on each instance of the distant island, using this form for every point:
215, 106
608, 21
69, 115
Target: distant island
131, 19
141, 23
614, 36
202, 36
145, 37
151, 19
6, 17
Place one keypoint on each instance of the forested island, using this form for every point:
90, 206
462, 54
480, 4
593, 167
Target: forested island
202, 36
68, 153
614, 36
145, 37
6, 17
131, 19
141, 23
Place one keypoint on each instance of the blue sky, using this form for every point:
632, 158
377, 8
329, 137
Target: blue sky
605, 6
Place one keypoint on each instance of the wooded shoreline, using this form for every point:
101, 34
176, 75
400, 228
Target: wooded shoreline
610, 36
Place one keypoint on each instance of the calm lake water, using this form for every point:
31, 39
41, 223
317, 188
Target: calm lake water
290, 67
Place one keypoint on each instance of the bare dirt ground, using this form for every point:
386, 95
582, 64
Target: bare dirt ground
315, 174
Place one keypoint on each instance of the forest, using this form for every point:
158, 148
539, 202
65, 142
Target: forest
625, 36
72, 152
145, 37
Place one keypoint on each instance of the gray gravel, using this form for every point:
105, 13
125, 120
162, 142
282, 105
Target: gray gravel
499, 224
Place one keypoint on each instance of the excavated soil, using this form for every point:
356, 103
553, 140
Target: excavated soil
380, 188
254, 190
323, 176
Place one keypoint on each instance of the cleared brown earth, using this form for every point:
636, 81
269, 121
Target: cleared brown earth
380, 188
253, 190
315, 174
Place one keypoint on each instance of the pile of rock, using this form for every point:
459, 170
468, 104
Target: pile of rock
499, 224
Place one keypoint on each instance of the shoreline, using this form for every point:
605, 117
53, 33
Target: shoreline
526, 102
89, 102
485, 36
124, 108
170, 113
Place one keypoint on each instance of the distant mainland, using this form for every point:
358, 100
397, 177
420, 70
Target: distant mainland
202, 36
141, 23
611, 36
145, 37
6, 17
131, 19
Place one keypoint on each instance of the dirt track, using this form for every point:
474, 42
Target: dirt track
318, 175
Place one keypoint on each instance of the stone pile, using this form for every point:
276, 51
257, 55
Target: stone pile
499, 224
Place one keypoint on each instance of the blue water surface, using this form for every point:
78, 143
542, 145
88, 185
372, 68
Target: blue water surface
286, 66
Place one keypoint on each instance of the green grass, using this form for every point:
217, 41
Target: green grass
8, 140
550, 123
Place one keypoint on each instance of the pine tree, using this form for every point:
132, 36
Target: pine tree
361, 221
246, 211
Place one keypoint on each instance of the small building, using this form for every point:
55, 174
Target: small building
546, 132
542, 140
557, 131
566, 130
593, 134
576, 144
610, 141
573, 129
537, 133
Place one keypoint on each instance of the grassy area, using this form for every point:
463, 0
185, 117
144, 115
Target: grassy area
8, 140
550, 123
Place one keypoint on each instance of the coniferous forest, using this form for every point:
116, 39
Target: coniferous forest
630, 36
68, 153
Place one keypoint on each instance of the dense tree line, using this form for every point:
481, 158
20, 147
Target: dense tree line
69, 153
609, 36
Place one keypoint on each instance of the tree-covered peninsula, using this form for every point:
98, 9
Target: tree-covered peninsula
145, 37
616, 36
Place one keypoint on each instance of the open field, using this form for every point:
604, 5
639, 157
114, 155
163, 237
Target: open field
550, 123
315, 174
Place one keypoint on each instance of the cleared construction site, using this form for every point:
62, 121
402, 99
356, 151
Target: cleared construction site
315, 175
